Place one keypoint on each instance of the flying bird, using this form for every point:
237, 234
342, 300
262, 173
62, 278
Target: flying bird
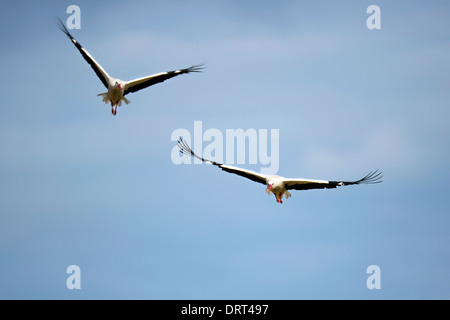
118, 89
278, 185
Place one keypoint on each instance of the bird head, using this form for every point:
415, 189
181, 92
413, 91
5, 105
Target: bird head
269, 188
118, 85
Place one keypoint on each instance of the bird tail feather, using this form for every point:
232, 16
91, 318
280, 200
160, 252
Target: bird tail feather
107, 100
126, 100
105, 97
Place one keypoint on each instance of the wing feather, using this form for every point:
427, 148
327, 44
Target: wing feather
99, 71
249, 174
305, 184
144, 82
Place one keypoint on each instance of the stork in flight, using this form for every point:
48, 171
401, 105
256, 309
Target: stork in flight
117, 89
278, 185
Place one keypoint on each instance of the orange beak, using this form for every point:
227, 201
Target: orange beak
270, 187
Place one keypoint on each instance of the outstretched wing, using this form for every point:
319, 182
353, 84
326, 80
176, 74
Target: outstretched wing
249, 174
99, 71
144, 82
305, 184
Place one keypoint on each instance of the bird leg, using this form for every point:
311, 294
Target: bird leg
279, 200
113, 110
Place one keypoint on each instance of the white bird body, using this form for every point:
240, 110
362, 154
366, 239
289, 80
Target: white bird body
114, 95
117, 88
278, 185
275, 185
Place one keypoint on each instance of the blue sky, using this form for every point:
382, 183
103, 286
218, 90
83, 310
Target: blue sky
81, 187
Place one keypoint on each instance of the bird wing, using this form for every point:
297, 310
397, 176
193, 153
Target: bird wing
306, 184
144, 82
249, 174
99, 71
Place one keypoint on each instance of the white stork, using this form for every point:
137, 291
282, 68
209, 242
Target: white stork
117, 89
278, 185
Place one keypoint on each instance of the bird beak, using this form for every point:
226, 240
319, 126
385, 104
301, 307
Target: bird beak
270, 187
120, 87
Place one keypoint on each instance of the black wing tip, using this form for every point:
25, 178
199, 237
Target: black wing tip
196, 68
63, 28
186, 149
371, 178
